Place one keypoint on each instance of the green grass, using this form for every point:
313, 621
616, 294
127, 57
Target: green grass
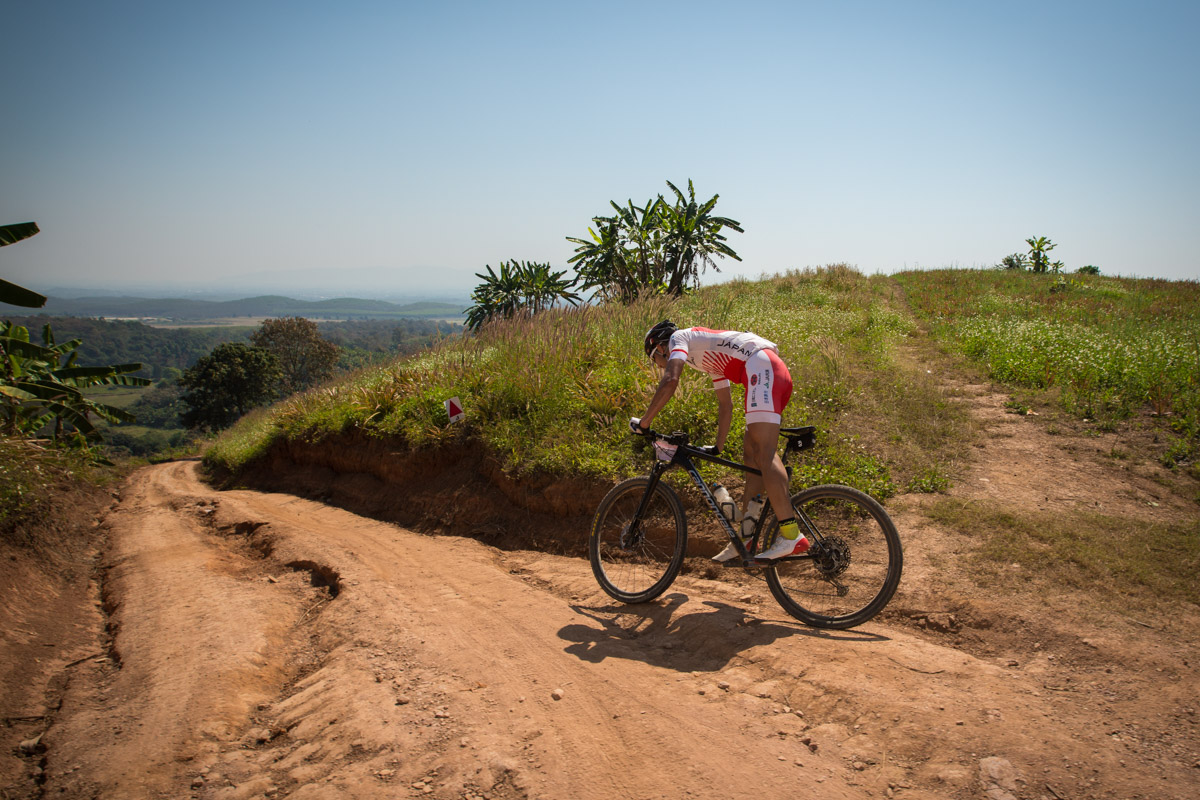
118, 396
35, 483
1144, 563
1107, 349
553, 393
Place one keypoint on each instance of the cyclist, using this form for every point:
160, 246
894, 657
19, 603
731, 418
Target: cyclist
752, 361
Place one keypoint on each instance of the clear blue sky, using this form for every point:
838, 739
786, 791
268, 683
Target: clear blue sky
404, 145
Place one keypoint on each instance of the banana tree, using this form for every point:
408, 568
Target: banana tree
519, 285
692, 237
603, 264
42, 385
9, 292
1039, 246
655, 248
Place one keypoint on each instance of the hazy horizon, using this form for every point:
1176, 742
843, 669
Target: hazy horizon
306, 145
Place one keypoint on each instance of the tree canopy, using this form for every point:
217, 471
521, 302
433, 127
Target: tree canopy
304, 356
228, 382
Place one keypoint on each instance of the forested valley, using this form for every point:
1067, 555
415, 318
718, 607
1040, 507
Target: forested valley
166, 352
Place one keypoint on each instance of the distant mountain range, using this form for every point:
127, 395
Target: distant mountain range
183, 310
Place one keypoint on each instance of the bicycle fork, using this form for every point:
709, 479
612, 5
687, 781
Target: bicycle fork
632, 535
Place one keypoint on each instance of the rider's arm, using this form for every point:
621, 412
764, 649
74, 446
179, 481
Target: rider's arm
665, 391
724, 415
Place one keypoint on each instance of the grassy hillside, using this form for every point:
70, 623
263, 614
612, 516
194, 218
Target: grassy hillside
553, 394
1103, 349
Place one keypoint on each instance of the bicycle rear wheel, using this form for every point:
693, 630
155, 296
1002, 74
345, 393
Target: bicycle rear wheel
851, 571
636, 558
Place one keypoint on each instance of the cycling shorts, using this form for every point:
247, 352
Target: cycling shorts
768, 387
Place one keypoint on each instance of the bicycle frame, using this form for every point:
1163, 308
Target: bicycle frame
682, 458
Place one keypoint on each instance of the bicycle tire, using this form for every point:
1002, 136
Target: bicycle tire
640, 570
851, 574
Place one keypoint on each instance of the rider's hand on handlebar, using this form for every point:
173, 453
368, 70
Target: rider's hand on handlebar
635, 427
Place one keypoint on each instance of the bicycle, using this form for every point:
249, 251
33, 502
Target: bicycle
847, 576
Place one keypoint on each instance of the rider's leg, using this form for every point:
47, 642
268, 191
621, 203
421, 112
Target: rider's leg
769, 386
761, 438
760, 444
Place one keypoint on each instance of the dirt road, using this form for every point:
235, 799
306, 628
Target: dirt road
262, 645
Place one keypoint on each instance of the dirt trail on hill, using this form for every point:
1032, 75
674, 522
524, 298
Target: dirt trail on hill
263, 645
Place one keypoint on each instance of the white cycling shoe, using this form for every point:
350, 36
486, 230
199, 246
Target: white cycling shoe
783, 548
729, 552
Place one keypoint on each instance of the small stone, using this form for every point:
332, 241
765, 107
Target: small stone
557, 694
402, 700
31, 746
723, 686
258, 736
198, 783
746, 598
858, 766
441, 713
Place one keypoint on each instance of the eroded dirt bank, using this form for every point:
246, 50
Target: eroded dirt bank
264, 645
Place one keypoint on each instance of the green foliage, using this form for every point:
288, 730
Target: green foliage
1148, 562
15, 232
227, 383
651, 249
34, 484
9, 292
1108, 348
1039, 246
1089, 269
304, 356
1016, 261
41, 385
161, 406
520, 287
165, 352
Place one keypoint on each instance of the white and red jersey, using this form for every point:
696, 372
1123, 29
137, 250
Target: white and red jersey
720, 354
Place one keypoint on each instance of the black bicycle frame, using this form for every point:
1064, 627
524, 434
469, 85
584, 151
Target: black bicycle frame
683, 458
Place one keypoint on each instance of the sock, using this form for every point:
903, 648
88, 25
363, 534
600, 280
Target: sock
788, 529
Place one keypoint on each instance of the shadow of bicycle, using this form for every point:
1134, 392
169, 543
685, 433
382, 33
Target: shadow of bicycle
696, 641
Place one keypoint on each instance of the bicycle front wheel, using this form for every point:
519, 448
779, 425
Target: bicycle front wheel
852, 569
635, 558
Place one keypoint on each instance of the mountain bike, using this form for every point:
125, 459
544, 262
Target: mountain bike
847, 576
